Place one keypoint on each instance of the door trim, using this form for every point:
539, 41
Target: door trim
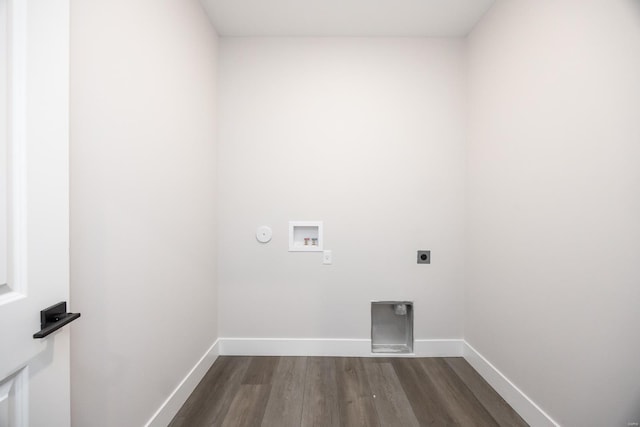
16, 150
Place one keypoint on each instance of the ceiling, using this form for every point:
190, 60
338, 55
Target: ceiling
433, 18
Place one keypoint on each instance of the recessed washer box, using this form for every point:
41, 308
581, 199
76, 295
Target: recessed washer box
392, 327
305, 236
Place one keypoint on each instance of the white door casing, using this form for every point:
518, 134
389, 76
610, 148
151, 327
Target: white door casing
34, 210
3, 145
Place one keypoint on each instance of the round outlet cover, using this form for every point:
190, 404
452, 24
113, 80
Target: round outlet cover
263, 234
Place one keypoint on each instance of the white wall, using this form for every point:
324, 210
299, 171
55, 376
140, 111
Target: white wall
554, 207
143, 208
366, 135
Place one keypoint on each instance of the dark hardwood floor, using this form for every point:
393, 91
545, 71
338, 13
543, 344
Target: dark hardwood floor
333, 391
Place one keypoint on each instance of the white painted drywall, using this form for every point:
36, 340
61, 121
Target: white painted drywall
364, 18
143, 208
554, 207
366, 135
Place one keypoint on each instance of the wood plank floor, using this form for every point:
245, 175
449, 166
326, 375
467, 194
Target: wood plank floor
343, 392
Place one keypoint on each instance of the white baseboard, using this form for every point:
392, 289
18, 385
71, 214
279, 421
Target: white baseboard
176, 399
519, 401
438, 348
331, 347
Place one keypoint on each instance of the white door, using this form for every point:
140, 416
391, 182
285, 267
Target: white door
34, 210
